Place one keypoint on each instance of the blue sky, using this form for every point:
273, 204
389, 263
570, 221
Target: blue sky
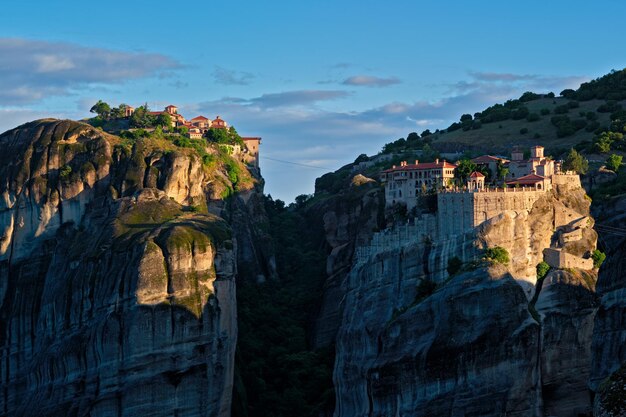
321, 81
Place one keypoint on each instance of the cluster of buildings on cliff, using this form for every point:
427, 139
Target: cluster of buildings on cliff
405, 182
463, 207
199, 126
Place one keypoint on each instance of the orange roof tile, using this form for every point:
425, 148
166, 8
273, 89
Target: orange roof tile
422, 166
527, 179
485, 159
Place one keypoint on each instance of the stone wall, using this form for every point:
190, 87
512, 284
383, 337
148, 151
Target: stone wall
568, 180
421, 238
459, 212
556, 258
421, 229
455, 213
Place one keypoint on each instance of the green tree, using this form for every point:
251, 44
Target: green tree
529, 96
614, 162
576, 162
466, 118
565, 129
142, 118
604, 141
542, 269
413, 137
454, 126
561, 109
224, 136
164, 120
497, 254
429, 153
65, 172
102, 109
503, 170
598, 258
119, 112
464, 169
520, 113
302, 199
532, 117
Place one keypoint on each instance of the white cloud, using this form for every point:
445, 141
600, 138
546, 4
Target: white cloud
232, 77
505, 86
52, 63
370, 81
501, 76
287, 99
31, 70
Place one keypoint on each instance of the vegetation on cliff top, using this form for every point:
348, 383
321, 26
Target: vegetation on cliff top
498, 255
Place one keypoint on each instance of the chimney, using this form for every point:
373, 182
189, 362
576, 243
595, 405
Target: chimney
437, 161
393, 167
417, 162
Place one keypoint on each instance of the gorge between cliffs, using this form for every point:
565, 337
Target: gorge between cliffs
141, 278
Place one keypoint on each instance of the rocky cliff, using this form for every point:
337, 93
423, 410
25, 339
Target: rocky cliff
117, 285
347, 219
487, 340
608, 368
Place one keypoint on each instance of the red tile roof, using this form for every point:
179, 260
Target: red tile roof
421, 166
250, 138
527, 179
485, 159
476, 174
200, 118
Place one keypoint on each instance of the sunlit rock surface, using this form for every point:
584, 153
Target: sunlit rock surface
490, 340
116, 298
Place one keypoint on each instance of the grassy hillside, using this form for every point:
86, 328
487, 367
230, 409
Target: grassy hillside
499, 136
591, 119
559, 123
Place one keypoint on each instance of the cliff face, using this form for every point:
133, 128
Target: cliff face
489, 340
609, 336
347, 220
117, 287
